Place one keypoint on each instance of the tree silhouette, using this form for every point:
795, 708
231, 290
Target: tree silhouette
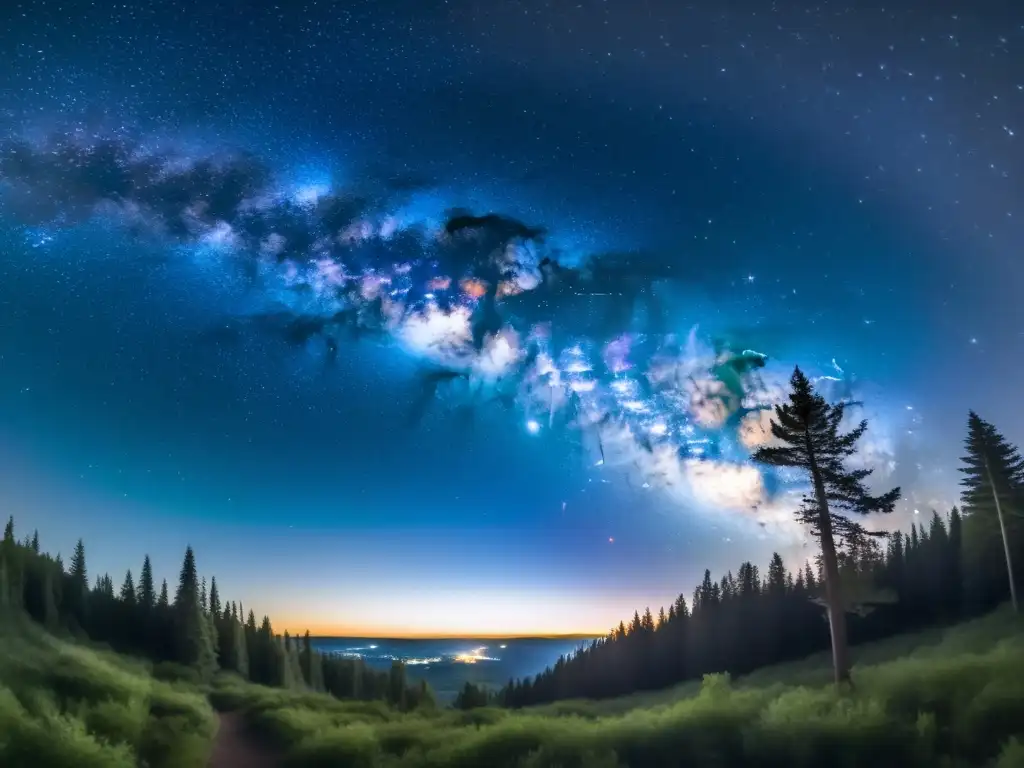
193, 644
146, 591
807, 430
128, 590
77, 591
993, 487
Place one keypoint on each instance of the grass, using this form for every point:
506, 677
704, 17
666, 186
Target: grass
942, 698
64, 704
951, 697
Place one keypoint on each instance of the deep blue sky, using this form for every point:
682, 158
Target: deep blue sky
827, 183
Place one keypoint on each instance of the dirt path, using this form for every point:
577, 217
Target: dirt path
234, 746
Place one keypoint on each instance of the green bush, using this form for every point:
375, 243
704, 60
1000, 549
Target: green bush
953, 701
177, 673
69, 705
1012, 755
956, 699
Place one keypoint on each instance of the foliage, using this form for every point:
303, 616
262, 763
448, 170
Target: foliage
945, 697
993, 496
942, 697
189, 638
944, 569
806, 435
67, 705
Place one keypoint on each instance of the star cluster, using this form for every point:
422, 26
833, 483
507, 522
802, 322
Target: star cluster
612, 227
497, 315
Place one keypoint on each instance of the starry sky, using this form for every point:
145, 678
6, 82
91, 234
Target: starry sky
462, 317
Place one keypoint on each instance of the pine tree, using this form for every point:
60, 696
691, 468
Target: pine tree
993, 487
127, 631
35, 542
776, 583
9, 531
162, 601
79, 572
218, 631
76, 594
128, 590
147, 593
215, 607
808, 430
193, 644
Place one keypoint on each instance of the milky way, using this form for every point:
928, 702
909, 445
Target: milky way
498, 316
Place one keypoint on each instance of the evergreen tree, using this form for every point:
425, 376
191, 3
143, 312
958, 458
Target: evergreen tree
128, 590
79, 572
77, 590
9, 531
808, 432
128, 632
162, 601
193, 644
35, 542
215, 607
218, 631
147, 592
993, 492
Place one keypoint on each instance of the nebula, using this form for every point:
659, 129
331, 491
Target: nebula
481, 299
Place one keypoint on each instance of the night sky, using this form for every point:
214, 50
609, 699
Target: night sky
463, 317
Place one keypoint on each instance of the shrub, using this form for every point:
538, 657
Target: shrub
68, 705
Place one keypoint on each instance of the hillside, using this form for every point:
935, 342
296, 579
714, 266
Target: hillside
951, 697
65, 705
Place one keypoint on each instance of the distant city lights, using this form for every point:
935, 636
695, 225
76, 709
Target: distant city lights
472, 657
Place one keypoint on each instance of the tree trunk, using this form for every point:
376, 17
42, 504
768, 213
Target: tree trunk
834, 598
1006, 540
833, 589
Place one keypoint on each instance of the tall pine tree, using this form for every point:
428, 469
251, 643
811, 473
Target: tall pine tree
193, 644
993, 492
77, 591
147, 592
128, 590
807, 430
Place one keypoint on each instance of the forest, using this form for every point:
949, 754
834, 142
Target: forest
948, 571
190, 637
945, 569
